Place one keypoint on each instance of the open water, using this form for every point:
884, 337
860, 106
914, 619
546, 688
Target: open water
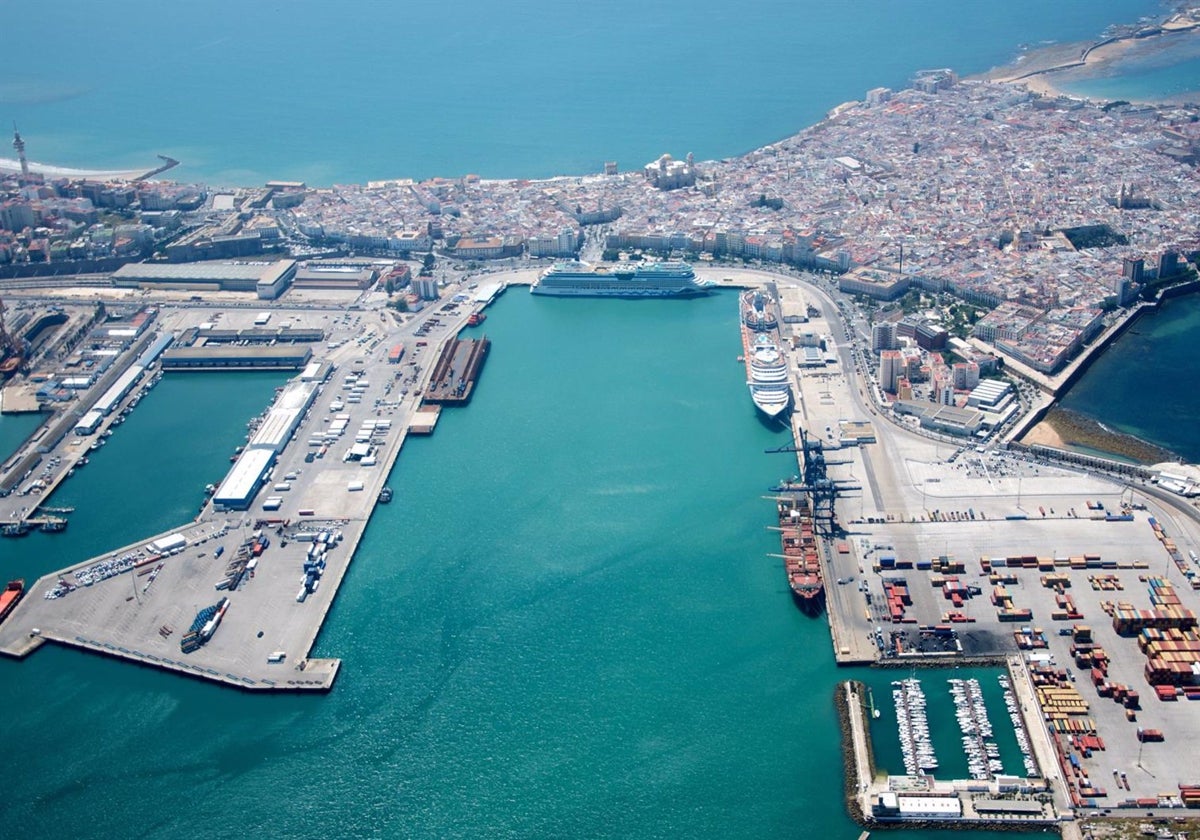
339, 92
565, 625
1161, 349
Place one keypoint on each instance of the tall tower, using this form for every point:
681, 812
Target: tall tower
19, 145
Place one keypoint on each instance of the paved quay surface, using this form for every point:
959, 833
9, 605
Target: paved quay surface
924, 497
263, 641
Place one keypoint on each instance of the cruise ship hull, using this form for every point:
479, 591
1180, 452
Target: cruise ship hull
767, 374
643, 280
773, 409
617, 291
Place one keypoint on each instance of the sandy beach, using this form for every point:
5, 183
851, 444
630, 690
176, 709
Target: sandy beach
1066, 429
9, 165
1044, 70
1045, 435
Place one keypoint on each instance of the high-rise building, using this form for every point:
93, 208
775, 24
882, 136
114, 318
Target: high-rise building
883, 336
425, 288
1133, 269
966, 375
891, 369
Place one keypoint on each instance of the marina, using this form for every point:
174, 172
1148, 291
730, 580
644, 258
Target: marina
909, 698
983, 756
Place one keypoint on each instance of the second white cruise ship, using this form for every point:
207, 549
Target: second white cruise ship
655, 279
769, 385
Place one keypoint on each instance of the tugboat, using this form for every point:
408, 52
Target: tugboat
385, 495
54, 524
475, 319
15, 529
9, 597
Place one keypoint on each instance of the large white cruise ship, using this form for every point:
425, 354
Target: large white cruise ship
656, 279
769, 385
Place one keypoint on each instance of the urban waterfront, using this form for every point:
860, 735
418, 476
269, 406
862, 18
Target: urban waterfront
1161, 69
1158, 348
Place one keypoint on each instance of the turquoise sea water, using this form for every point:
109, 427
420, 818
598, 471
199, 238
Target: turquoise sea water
565, 625
336, 92
1160, 69
14, 429
1159, 349
151, 474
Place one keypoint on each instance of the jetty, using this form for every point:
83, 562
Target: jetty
275, 539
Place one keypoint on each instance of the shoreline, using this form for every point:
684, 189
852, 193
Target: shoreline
1036, 70
1069, 430
9, 166
1065, 428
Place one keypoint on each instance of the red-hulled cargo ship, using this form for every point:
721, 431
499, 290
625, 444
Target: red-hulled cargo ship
803, 566
10, 596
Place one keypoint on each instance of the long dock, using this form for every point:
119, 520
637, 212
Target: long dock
457, 368
136, 603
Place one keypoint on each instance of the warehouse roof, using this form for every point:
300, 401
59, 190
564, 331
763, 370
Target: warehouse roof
208, 271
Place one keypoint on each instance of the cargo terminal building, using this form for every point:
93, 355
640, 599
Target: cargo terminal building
244, 479
267, 279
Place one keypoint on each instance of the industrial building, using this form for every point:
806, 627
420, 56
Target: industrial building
898, 806
241, 485
89, 422
960, 422
284, 416
259, 335
118, 389
336, 274
267, 279
279, 356
156, 349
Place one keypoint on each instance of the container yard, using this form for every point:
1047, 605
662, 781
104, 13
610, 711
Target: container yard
947, 552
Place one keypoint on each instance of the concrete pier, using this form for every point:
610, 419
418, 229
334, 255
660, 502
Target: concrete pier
140, 613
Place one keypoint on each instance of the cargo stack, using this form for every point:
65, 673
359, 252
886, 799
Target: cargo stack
1105, 583
955, 591
1057, 581
1005, 611
1030, 638
204, 625
946, 565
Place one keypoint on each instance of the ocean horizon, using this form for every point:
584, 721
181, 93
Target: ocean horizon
241, 93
